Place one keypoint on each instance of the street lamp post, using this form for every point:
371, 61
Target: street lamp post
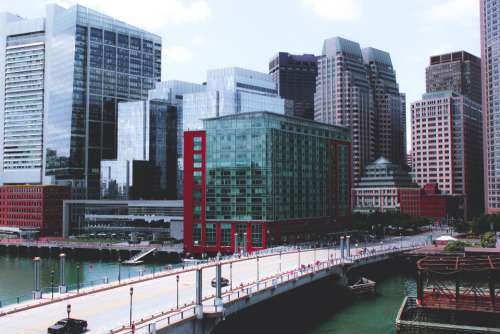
52, 283
130, 313
68, 310
258, 269
280, 261
177, 280
299, 257
78, 279
401, 235
119, 269
231, 274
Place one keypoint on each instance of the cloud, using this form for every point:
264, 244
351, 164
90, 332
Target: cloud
151, 14
198, 41
335, 10
178, 54
453, 10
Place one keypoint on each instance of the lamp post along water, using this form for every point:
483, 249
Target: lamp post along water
37, 292
52, 283
177, 281
78, 279
62, 279
130, 311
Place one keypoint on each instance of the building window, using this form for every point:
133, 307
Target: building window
197, 143
196, 234
225, 231
210, 234
256, 235
197, 177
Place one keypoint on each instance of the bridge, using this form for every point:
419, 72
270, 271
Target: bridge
184, 300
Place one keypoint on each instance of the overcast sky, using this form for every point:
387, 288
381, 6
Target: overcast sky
204, 34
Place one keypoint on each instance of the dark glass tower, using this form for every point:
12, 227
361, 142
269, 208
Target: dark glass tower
93, 62
459, 72
295, 76
146, 164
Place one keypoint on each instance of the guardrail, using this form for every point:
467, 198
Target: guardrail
165, 319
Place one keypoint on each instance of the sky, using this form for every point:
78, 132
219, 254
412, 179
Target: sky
205, 34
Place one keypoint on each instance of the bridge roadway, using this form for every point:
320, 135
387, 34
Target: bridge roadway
109, 309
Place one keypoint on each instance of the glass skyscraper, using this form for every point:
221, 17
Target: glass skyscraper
146, 164
93, 62
231, 91
274, 177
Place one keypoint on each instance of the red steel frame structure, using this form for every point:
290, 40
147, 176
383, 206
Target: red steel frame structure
466, 283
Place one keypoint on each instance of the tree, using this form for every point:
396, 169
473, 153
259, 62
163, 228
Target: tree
488, 240
456, 246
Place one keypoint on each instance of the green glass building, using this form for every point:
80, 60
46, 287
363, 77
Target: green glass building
276, 178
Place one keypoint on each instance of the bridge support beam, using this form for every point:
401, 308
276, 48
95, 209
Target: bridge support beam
62, 280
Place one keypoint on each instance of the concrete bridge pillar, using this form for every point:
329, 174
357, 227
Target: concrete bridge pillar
62, 281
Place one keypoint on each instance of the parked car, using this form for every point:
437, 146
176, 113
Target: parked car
68, 326
223, 282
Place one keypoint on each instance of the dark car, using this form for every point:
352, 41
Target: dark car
223, 282
68, 326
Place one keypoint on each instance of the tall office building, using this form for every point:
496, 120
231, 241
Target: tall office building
92, 62
272, 178
146, 164
490, 66
22, 63
230, 91
388, 104
446, 146
295, 76
459, 72
358, 89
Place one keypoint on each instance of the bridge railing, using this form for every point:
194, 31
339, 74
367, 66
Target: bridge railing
166, 319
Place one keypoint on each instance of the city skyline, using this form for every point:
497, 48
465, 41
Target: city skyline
194, 32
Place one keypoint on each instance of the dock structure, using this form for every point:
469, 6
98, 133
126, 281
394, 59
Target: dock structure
455, 294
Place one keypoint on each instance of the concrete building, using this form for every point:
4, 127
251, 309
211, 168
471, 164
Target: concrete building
22, 68
80, 64
33, 207
295, 76
459, 72
230, 91
446, 146
429, 202
148, 220
358, 89
378, 189
490, 53
269, 177
389, 106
